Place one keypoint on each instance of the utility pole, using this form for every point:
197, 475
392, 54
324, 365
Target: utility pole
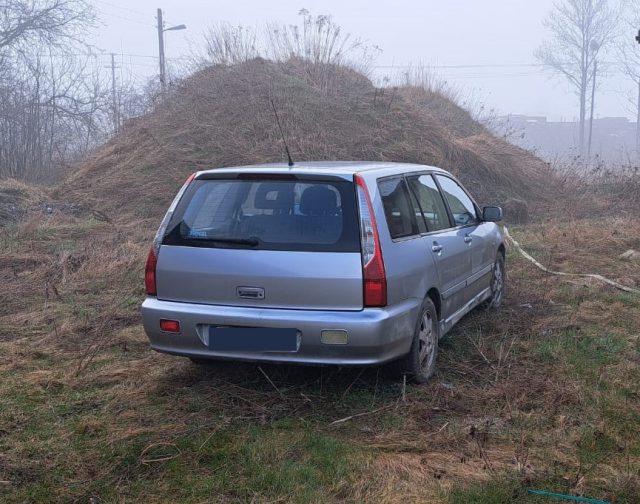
161, 30
638, 122
163, 81
638, 112
115, 117
593, 95
116, 108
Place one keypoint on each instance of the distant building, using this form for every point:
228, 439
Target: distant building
614, 138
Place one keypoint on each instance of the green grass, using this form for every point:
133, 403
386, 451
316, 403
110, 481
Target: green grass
583, 353
501, 491
239, 462
626, 298
507, 490
63, 427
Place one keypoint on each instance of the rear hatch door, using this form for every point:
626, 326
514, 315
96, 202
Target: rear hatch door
264, 241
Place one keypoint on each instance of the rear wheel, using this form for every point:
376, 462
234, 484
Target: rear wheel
420, 363
497, 284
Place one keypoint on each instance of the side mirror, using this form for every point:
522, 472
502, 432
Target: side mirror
492, 214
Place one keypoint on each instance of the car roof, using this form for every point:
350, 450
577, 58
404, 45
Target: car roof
345, 169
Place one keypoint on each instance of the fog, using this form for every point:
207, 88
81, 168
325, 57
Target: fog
483, 48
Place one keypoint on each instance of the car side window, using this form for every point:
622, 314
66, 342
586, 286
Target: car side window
460, 204
432, 205
397, 207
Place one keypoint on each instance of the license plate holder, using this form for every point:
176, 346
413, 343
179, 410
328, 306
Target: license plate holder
253, 339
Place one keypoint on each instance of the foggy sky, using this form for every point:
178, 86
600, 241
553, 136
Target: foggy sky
431, 32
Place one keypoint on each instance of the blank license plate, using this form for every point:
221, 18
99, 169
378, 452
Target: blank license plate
252, 339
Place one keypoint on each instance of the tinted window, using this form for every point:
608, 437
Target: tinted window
272, 214
431, 204
462, 208
397, 207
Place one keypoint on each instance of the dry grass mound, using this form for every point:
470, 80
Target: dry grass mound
15, 199
222, 116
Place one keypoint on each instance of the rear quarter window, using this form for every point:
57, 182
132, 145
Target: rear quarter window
398, 209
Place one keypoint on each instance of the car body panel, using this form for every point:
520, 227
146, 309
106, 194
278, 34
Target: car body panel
483, 248
290, 279
316, 291
376, 335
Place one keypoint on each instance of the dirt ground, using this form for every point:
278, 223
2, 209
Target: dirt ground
543, 394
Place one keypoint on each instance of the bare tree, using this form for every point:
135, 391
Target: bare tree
628, 52
51, 101
52, 109
37, 22
580, 30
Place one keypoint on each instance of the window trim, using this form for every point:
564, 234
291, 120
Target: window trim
414, 197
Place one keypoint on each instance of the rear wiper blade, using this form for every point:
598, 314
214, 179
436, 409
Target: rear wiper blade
252, 242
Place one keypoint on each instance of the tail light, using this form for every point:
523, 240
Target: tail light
152, 258
150, 273
373, 274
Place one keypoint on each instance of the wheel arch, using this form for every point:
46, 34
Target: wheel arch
434, 294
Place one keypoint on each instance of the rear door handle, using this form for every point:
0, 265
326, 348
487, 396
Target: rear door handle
467, 239
250, 292
436, 247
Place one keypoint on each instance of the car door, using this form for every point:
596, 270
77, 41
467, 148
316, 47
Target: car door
472, 232
444, 242
405, 259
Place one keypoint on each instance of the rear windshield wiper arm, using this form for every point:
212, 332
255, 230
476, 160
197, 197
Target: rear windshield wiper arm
252, 242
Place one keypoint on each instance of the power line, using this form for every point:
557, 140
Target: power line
429, 67
409, 67
128, 19
105, 54
122, 8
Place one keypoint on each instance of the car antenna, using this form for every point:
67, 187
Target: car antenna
286, 148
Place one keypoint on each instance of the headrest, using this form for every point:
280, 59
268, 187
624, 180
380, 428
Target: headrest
319, 200
275, 196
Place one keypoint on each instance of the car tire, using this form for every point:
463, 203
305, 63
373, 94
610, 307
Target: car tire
498, 277
420, 363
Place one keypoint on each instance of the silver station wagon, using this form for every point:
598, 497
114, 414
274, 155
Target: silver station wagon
341, 263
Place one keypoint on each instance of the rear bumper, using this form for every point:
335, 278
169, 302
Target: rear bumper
375, 335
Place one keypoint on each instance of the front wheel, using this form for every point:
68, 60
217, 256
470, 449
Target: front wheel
420, 363
497, 284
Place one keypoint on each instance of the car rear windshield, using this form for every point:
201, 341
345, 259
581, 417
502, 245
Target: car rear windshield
303, 215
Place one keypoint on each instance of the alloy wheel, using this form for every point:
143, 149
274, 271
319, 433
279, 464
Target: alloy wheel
427, 340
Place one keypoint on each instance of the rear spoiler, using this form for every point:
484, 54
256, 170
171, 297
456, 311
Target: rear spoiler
270, 175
